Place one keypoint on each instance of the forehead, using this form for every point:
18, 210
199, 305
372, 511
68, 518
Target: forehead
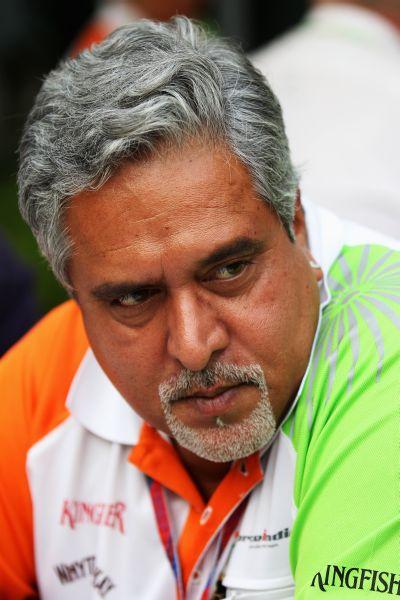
189, 199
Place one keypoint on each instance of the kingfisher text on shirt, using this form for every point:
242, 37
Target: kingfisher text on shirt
355, 578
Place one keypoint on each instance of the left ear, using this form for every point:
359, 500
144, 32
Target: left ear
300, 231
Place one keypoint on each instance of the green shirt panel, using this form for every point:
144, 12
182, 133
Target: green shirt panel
346, 432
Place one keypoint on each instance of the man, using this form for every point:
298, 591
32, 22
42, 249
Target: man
338, 80
208, 405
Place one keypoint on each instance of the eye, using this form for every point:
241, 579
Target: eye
229, 271
231, 279
135, 298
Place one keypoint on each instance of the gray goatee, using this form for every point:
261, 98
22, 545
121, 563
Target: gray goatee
225, 441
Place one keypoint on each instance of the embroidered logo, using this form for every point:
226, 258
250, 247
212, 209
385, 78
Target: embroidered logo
85, 568
355, 578
75, 512
264, 539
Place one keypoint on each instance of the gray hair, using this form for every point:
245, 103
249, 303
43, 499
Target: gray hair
148, 83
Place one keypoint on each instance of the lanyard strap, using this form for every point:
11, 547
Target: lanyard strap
169, 541
166, 534
224, 537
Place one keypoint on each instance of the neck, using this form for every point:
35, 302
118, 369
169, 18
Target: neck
207, 475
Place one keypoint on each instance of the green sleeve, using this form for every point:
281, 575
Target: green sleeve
346, 431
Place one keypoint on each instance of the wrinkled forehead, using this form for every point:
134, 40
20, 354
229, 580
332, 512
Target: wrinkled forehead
174, 206
176, 188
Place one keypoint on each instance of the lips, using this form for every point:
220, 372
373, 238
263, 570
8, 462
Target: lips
209, 393
213, 401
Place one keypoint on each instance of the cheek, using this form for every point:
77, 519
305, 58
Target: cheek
132, 359
133, 367
264, 315
275, 325
263, 331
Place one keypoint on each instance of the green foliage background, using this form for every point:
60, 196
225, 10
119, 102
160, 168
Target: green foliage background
48, 291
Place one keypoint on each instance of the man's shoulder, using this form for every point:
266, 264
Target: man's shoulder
330, 235
56, 334
364, 283
345, 427
36, 374
361, 323
356, 356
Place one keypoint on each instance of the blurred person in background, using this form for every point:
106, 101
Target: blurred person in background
337, 76
111, 14
18, 311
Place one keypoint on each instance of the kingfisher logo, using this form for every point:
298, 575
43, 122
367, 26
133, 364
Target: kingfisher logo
264, 539
355, 578
75, 512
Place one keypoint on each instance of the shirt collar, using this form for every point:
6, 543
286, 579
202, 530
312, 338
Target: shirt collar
95, 402
325, 234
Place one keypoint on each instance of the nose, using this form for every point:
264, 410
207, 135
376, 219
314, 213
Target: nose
195, 332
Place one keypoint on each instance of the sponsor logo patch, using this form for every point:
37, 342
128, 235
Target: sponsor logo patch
264, 539
86, 568
355, 578
76, 512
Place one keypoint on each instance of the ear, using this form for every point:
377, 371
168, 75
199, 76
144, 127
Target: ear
300, 231
299, 223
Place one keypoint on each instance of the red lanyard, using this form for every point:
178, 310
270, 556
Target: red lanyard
169, 540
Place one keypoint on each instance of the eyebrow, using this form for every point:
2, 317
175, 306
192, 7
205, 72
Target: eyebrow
110, 291
238, 247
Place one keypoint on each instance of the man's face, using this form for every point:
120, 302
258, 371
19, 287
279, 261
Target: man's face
183, 275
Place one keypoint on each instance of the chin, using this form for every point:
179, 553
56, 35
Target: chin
225, 442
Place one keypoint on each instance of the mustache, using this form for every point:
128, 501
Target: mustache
188, 382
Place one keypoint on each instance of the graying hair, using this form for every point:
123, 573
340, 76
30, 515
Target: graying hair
148, 83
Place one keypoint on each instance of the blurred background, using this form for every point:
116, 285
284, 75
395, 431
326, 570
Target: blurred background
35, 34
